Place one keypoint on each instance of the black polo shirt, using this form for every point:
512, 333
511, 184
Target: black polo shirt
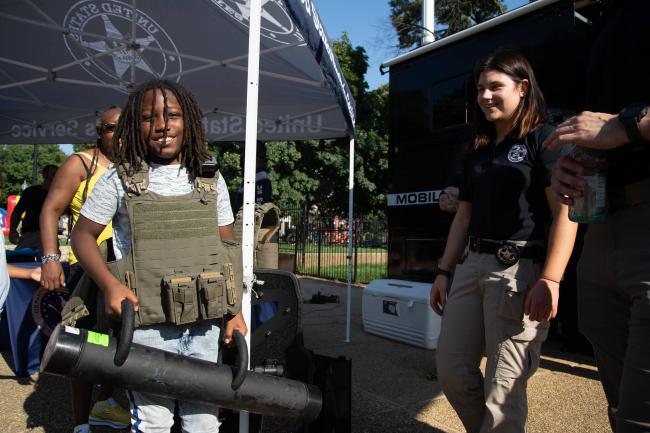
505, 184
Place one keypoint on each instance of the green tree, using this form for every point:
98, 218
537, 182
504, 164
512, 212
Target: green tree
316, 171
16, 165
453, 15
78, 147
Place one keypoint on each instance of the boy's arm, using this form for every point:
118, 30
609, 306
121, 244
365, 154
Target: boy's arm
227, 232
84, 244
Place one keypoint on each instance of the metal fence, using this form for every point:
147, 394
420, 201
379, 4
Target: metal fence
318, 242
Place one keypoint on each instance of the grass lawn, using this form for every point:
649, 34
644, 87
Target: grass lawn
365, 272
287, 248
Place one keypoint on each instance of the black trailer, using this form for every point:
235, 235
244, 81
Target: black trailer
432, 96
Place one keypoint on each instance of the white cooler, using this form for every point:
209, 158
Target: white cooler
400, 310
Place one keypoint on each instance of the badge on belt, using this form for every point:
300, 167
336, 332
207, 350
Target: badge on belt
507, 254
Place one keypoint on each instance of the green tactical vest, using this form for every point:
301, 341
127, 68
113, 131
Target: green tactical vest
266, 225
178, 266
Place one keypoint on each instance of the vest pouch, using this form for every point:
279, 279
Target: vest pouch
211, 287
233, 275
181, 299
122, 269
267, 255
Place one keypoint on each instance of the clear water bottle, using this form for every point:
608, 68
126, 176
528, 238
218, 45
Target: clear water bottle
591, 207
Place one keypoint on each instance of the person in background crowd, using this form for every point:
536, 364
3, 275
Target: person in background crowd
614, 271
11, 271
30, 203
72, 184
263, 187
501, 297
8, 271
163, 154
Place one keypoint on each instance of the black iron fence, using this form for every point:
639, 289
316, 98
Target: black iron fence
316, 242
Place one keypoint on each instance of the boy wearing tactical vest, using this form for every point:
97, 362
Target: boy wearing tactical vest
176, 258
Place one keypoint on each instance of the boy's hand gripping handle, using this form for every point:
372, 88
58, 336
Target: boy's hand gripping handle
126, 333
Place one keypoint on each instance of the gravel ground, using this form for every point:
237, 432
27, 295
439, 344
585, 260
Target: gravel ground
40, 404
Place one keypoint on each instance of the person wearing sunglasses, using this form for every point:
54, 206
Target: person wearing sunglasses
72, 185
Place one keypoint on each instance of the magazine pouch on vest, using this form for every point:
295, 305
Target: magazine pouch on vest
178, 266
266, 226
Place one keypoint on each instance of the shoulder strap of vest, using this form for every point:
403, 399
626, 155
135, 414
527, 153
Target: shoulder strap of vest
206, 184
269, 221
207, 181
138, 182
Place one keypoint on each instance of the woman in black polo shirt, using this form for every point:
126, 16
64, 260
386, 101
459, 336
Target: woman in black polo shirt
507, 287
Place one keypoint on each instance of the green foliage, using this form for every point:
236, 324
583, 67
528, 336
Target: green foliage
227, 155
317, 171
354, 63
454, 15
78, 147
406, 17
16, 165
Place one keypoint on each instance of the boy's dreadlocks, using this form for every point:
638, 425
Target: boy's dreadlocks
131, 146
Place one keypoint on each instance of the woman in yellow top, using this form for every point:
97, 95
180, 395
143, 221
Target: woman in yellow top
73, 183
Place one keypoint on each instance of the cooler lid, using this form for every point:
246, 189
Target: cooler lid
399, 289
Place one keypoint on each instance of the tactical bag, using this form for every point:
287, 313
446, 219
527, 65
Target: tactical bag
266, 226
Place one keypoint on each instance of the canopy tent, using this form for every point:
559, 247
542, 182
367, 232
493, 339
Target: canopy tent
62, 61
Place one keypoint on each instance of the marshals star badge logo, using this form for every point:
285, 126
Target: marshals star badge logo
101, 40
276, 23
46, 308
517, 153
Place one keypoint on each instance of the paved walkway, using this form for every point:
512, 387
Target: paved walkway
394, 385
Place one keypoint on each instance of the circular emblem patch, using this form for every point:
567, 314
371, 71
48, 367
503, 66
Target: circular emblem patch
46, 309
517, 153
508, 254
98, 38
276, 23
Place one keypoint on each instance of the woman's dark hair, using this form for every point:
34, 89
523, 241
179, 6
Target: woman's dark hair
134, 147
531, 112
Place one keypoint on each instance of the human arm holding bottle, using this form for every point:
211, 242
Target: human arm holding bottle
456, 241
587, 129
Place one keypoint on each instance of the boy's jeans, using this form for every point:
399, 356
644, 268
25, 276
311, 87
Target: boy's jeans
153, 414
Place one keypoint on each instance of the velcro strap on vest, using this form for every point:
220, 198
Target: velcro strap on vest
210, 277
205, 184
138, 182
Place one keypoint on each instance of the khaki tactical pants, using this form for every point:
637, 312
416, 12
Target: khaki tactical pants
484, 314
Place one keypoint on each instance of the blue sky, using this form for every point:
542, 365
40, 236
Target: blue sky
368, 25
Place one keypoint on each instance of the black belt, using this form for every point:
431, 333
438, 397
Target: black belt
630, 195
507, 252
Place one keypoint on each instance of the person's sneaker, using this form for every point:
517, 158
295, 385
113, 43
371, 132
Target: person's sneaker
109, 413
81, 428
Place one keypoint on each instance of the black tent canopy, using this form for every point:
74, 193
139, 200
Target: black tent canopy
61, 61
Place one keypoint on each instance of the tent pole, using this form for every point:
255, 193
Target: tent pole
252, 93
350, 240
35, 165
